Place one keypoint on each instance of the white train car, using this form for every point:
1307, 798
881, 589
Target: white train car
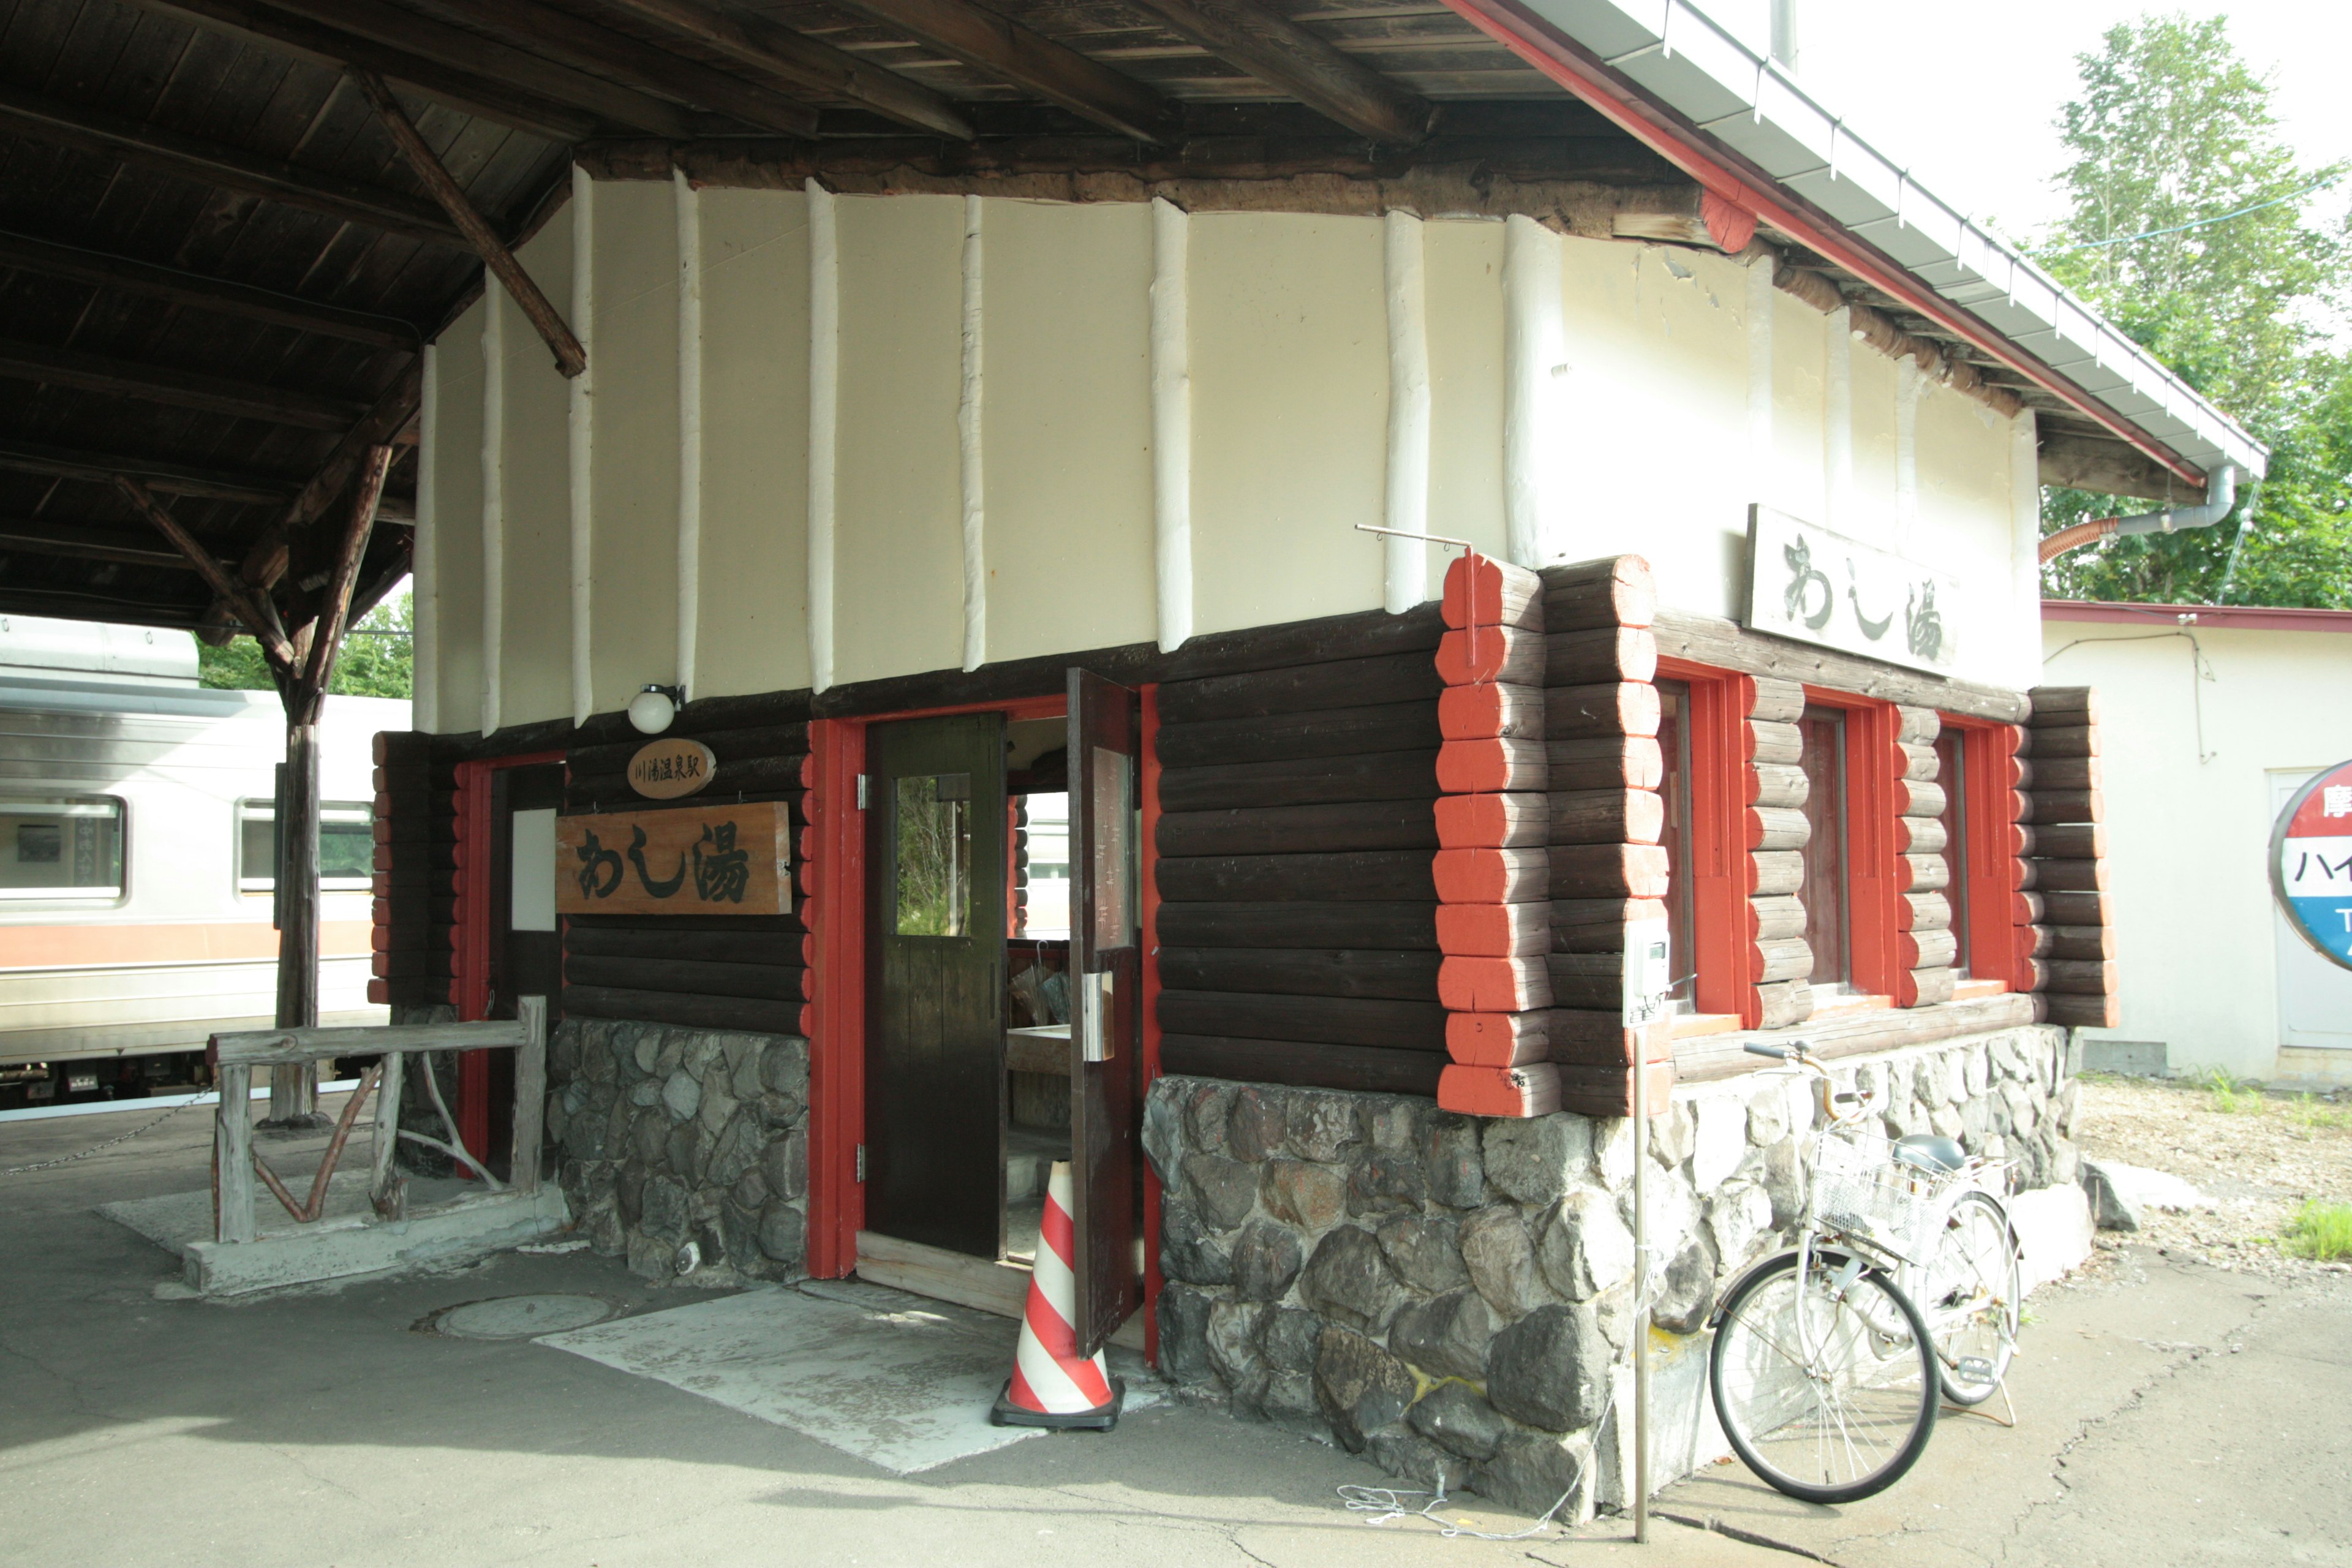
137, 824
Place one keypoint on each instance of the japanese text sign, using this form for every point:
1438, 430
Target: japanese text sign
2311, 863
669, 768
698, 860
1820, 587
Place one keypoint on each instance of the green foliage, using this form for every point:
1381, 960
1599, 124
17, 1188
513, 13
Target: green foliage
2320, 1231
2312, 1116
2171, 128
2232, 1095
377, 659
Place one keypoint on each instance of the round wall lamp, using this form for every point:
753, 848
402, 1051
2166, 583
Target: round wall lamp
651, 709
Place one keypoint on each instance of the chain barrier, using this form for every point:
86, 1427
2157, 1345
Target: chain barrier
101, 1147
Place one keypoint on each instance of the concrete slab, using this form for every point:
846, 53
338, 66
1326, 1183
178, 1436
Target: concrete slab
902, 1383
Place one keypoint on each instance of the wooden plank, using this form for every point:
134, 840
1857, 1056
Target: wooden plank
1615, 591
1600, 656
1000, 1287
1710, 641
1919, 835
1609, 871
1499, 1091
1293, 737
1704, 1058
1775, 873
761, 982
1932, 949
673, 937
281, 1048
233, 1218
1491, 821
2064, 841
1385, 775
1409, 677
1490, 985
1303, 971
1929, 911
1341, 877
1926, 987
1607, 816
1298, 830
1302, 65
757, 1016
2083, 1012
2065, 773
1491, 711
1916, 726
1390, 1023
721, 859
1492, 876
1498, 1040
1774, 701
2070, 875
1407, 926
1913, 762
1772, 743
1773, 918
2063, 706
1608, 762
2072, 741
1779, 958
1306, 1064
2082, 977
164, 477
1619, 708
1013, 53
1609, 1091
220, 295
1921, 873
2063, 806
1500, 766
1770, 827
84, 541
530, 1094
1590, 1038
1785, 1004
382, 1160
1495, 930
1504, 654
175, 388
1502, 595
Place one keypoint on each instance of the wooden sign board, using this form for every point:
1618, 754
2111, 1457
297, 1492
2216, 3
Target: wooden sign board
669, 768
1820, 587
690, 861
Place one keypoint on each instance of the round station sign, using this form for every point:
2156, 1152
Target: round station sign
2311, 862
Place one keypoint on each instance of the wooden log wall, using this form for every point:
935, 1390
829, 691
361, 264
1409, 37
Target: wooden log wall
415, 885
1779, 959
2067, 951
1924, 942
711, 971
1297, 916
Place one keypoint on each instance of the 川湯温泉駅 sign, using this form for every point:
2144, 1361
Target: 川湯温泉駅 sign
2311, 862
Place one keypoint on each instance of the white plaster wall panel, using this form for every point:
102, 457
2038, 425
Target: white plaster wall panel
755, 298
1872, 510
899, 566
1800, 397
1463, 268
1290, 346
1067, 427
1657, 405
456, 437
534, 667
635, 550
1964, 528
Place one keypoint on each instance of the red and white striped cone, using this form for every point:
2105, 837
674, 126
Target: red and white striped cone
1052, 1384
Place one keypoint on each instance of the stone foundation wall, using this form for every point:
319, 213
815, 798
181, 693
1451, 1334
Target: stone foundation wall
670, 1137
1453, 1296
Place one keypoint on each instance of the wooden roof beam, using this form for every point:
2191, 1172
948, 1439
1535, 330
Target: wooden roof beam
172, 479
283, 32
569, 357
1304, 65
1005, 49
2077, 460
84, 541
209, 163
803, 63
460, 49
101, 270
575, 40
266, 562
252, 609
178, 388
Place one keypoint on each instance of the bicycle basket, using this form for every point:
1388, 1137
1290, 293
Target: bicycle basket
1860, 1191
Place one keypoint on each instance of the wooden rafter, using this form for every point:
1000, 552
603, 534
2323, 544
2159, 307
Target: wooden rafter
178, 388
469, 51
569, 357
266, 562
1026, 59
327, 633
210, 162
249, 607
464, 90
193, 288
566, 37
86, 542
803, 63
172, 479
1304, 64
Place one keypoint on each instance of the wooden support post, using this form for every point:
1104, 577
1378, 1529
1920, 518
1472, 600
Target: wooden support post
232, 1152
530, 1094
387, 1132
326, 641
294, 1086
569, 357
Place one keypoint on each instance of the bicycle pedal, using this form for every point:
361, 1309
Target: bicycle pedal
1975, 1368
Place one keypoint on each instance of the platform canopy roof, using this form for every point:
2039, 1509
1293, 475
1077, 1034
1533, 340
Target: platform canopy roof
218, 260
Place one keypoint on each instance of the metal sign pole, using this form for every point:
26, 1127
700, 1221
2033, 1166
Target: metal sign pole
1646, 983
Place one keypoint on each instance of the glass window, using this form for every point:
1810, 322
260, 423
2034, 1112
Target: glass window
346, 846
1823, 890
60, 847
1951, 773
934, 855
1673, 746
1046, 839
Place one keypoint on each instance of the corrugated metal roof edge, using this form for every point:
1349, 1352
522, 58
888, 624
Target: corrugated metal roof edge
1674, 54
2237, 618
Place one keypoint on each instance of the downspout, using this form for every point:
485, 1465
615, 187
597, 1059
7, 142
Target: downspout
2222, 494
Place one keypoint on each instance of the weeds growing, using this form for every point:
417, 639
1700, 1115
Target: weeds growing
2230, 1095
2312, 1115
2320, 1231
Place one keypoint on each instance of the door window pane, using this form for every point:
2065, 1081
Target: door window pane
1045, 837
1951, 772
530, 902
1674, 744
934, 854
1824, 891
60, 847
346, 846
1114, 881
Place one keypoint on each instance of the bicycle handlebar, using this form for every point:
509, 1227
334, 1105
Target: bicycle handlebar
1778, 1053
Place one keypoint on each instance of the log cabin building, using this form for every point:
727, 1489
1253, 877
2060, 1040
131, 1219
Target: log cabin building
901, 659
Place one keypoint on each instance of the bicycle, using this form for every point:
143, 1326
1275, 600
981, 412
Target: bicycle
1825, 1371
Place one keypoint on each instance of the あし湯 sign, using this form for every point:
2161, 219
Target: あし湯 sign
2311, 863
671, 767
1817, 586
690, 861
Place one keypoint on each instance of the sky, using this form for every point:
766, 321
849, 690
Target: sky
1966, 96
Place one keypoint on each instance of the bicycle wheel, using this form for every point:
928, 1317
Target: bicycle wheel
1825, 1384
1971, 1299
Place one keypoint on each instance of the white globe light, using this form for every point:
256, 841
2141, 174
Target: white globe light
651, 710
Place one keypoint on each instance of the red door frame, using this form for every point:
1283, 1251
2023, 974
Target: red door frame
1719, 793
1988, 769
471, 991
1874, 960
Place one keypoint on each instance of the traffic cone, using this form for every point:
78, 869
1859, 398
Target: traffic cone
1052, 1384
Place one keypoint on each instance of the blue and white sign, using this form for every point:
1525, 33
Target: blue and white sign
2311, 863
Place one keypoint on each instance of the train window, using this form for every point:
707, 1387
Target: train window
346, 846
60, 847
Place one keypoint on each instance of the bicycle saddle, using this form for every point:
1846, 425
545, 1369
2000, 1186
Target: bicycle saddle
1930, 1152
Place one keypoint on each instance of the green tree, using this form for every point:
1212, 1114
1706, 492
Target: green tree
378, 658
2170, 132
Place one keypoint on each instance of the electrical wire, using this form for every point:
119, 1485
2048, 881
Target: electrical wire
2184, 227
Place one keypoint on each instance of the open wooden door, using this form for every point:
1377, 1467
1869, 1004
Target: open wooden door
1106, 1001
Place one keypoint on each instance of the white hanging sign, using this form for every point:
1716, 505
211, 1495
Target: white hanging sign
1817, 586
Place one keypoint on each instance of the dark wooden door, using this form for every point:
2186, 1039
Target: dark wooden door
935, 982
1106, 1004
525, 947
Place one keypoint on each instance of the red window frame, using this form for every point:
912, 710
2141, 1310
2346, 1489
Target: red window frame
1872, 887
1721, 784
1988, 769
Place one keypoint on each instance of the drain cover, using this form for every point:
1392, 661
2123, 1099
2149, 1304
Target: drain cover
520, 1317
